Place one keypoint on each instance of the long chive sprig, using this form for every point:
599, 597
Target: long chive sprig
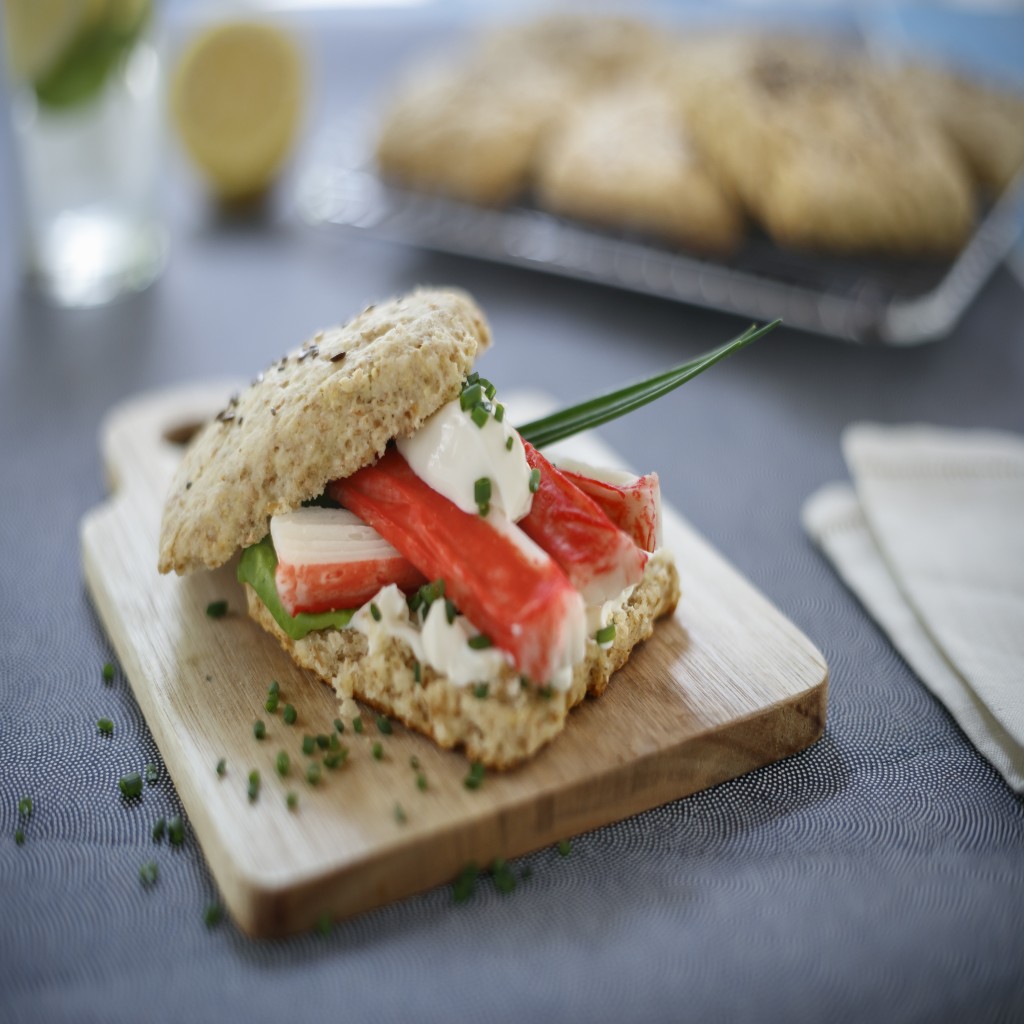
602, 408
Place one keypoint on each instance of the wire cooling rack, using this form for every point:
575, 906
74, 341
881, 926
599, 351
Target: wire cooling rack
880, 301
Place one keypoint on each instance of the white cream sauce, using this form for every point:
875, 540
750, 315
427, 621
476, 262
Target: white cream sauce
450, 453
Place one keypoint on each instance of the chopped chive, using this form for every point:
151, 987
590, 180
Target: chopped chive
606, 634
292, 800
450, 612
545, 692
417, 672
105, 726
414, 762
375, 612
384, 725
499, 412
472, 378
471, 396
480, 642
324, 924
400, 814
274, 688
482, 490
176, 830
152, 774
336, 758
333, 742
378, 751
148, 872
259, 730
534, 480
481, 690
313, 773
130, 785
19, 836
254, 785
159, 829
475, 777
357, 723
322, 741
213, 915
421, 781
501, 874
339, 725
289, 714
283, 763
108, 672
217, 609
603, 408
479, 415
271, 703
222, 766
564, 847
308, 744
462, 887
509, 441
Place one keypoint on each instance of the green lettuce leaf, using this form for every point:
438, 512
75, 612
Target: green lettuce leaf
256, 567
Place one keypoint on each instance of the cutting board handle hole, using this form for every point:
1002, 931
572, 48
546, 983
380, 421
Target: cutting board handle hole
182, 433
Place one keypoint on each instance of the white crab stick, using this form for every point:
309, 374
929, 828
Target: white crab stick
328, 558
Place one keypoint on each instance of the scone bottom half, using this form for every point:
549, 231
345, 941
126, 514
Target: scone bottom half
513, 723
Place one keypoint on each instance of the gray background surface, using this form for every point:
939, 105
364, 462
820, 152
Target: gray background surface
879, 875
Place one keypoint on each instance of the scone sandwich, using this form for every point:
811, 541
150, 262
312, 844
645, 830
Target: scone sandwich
401, 539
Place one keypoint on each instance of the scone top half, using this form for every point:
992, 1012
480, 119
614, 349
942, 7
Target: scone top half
320, 413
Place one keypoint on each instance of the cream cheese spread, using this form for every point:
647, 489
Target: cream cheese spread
441, 644
450, 453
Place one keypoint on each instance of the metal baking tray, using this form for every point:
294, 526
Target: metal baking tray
880, 301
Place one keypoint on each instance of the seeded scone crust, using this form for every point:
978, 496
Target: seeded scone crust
827, 152
511, 723
623, 158
322, 412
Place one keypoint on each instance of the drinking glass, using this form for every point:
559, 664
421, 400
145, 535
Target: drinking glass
86, 96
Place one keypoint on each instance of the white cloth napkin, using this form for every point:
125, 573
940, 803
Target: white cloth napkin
931, 539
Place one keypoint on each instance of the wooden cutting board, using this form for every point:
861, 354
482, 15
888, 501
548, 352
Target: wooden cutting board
724, 687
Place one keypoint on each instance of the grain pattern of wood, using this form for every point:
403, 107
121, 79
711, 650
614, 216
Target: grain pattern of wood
725, 686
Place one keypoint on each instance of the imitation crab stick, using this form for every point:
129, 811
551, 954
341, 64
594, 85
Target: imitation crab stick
599, 559
329, 558
504, 584
632, 503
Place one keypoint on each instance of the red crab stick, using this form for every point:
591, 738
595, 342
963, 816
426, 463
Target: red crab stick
599, 559
322, 588
506, 586
633, 505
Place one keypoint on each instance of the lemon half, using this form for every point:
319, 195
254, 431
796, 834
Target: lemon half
237, 98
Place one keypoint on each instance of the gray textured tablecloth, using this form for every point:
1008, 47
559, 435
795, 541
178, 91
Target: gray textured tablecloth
877, 876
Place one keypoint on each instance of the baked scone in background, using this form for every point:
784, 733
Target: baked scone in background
470, 130
826, 153
623, 157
